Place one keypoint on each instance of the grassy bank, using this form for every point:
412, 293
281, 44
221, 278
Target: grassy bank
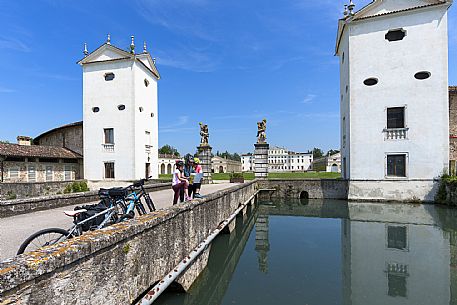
250, 176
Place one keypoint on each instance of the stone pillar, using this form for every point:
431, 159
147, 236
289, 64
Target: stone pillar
204, 154
261, 160
262, 242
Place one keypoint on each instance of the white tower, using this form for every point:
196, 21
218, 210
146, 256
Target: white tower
119, 113
394, 98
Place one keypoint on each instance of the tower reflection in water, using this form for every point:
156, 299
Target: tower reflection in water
398, 254
388, 253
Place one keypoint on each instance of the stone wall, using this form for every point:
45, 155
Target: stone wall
22, 206
313, 188
10, 191
453, 125
117, 264
69, 136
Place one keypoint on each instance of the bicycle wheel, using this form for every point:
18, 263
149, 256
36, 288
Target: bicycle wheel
43, 238
140, 207
150, 204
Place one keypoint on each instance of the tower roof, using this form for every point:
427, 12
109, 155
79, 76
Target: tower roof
108, 53
379, 8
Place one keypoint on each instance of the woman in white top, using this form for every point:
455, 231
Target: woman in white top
179, 182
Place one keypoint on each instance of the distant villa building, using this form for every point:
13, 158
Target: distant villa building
167, 164
280, 160
394, 98
223, 165
331, 164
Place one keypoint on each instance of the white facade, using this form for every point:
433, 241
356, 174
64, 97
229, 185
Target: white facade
395, 254
329, 164
167, 164
281, 160
119, 94
371, 149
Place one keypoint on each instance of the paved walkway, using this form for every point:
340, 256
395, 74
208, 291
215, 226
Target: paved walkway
14, 230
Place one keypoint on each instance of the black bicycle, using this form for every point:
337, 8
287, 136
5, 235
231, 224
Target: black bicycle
116, 204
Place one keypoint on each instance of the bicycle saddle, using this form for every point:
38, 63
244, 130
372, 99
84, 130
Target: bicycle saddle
113, 192
74, 213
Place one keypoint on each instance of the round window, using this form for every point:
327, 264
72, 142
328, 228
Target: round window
370, 81
121, 107
146, 82
95, 109
422, 75
141, 109
152, 115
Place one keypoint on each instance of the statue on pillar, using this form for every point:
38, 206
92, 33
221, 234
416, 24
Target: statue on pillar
261, 128
204, 134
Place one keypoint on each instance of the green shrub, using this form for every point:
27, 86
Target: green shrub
10, 195
76, 187
236, 175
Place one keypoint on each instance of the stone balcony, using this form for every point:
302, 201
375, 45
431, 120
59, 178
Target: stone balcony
108, 147
395, 133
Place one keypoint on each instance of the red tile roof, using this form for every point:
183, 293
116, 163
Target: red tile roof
37, 151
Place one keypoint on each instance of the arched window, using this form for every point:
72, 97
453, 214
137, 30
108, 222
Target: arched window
169, 169
162, 168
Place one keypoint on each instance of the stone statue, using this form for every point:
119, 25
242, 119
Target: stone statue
204, 134
261, 128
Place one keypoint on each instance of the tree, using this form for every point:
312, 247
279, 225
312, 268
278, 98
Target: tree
332, 152
317, 153
4, 141
169, 150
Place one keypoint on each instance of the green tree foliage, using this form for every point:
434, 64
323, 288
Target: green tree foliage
317, 153
332, 152
169, 150
4, 141
229, 156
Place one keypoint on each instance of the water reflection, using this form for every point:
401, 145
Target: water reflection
332, 252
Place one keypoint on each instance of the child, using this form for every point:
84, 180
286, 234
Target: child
197, 170
179, 182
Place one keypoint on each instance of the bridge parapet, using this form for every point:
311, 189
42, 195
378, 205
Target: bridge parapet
117, 264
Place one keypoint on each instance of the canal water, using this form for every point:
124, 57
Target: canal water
331, 252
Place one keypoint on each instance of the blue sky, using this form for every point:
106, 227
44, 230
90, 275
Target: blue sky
226, 63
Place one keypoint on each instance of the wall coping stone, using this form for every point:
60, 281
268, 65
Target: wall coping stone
8, 207
26, 267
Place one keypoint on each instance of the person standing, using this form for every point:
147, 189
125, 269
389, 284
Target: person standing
196, 186
179, 182
188, 171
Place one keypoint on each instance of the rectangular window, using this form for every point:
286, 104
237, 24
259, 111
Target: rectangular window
396, 237
109, 135
14, 173
109, 170
396, 165
49, 173
67, 170
396, 117
31, 174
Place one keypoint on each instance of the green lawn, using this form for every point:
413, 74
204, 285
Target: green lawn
250, 176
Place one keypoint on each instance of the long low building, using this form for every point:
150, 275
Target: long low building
280, 160
329, 164
223, 165
24, 162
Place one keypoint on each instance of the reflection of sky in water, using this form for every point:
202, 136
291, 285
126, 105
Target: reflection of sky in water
358, 253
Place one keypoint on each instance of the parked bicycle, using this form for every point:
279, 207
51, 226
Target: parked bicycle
116, 204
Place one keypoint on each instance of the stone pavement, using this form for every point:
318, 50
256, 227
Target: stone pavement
14, 230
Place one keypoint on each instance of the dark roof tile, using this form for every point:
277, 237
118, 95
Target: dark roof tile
37, 151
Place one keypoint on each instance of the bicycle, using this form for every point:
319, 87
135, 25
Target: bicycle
108, 208
112, 207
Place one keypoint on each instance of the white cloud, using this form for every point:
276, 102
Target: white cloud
13, 44
308, 98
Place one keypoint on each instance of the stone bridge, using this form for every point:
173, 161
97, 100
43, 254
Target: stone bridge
118, 264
